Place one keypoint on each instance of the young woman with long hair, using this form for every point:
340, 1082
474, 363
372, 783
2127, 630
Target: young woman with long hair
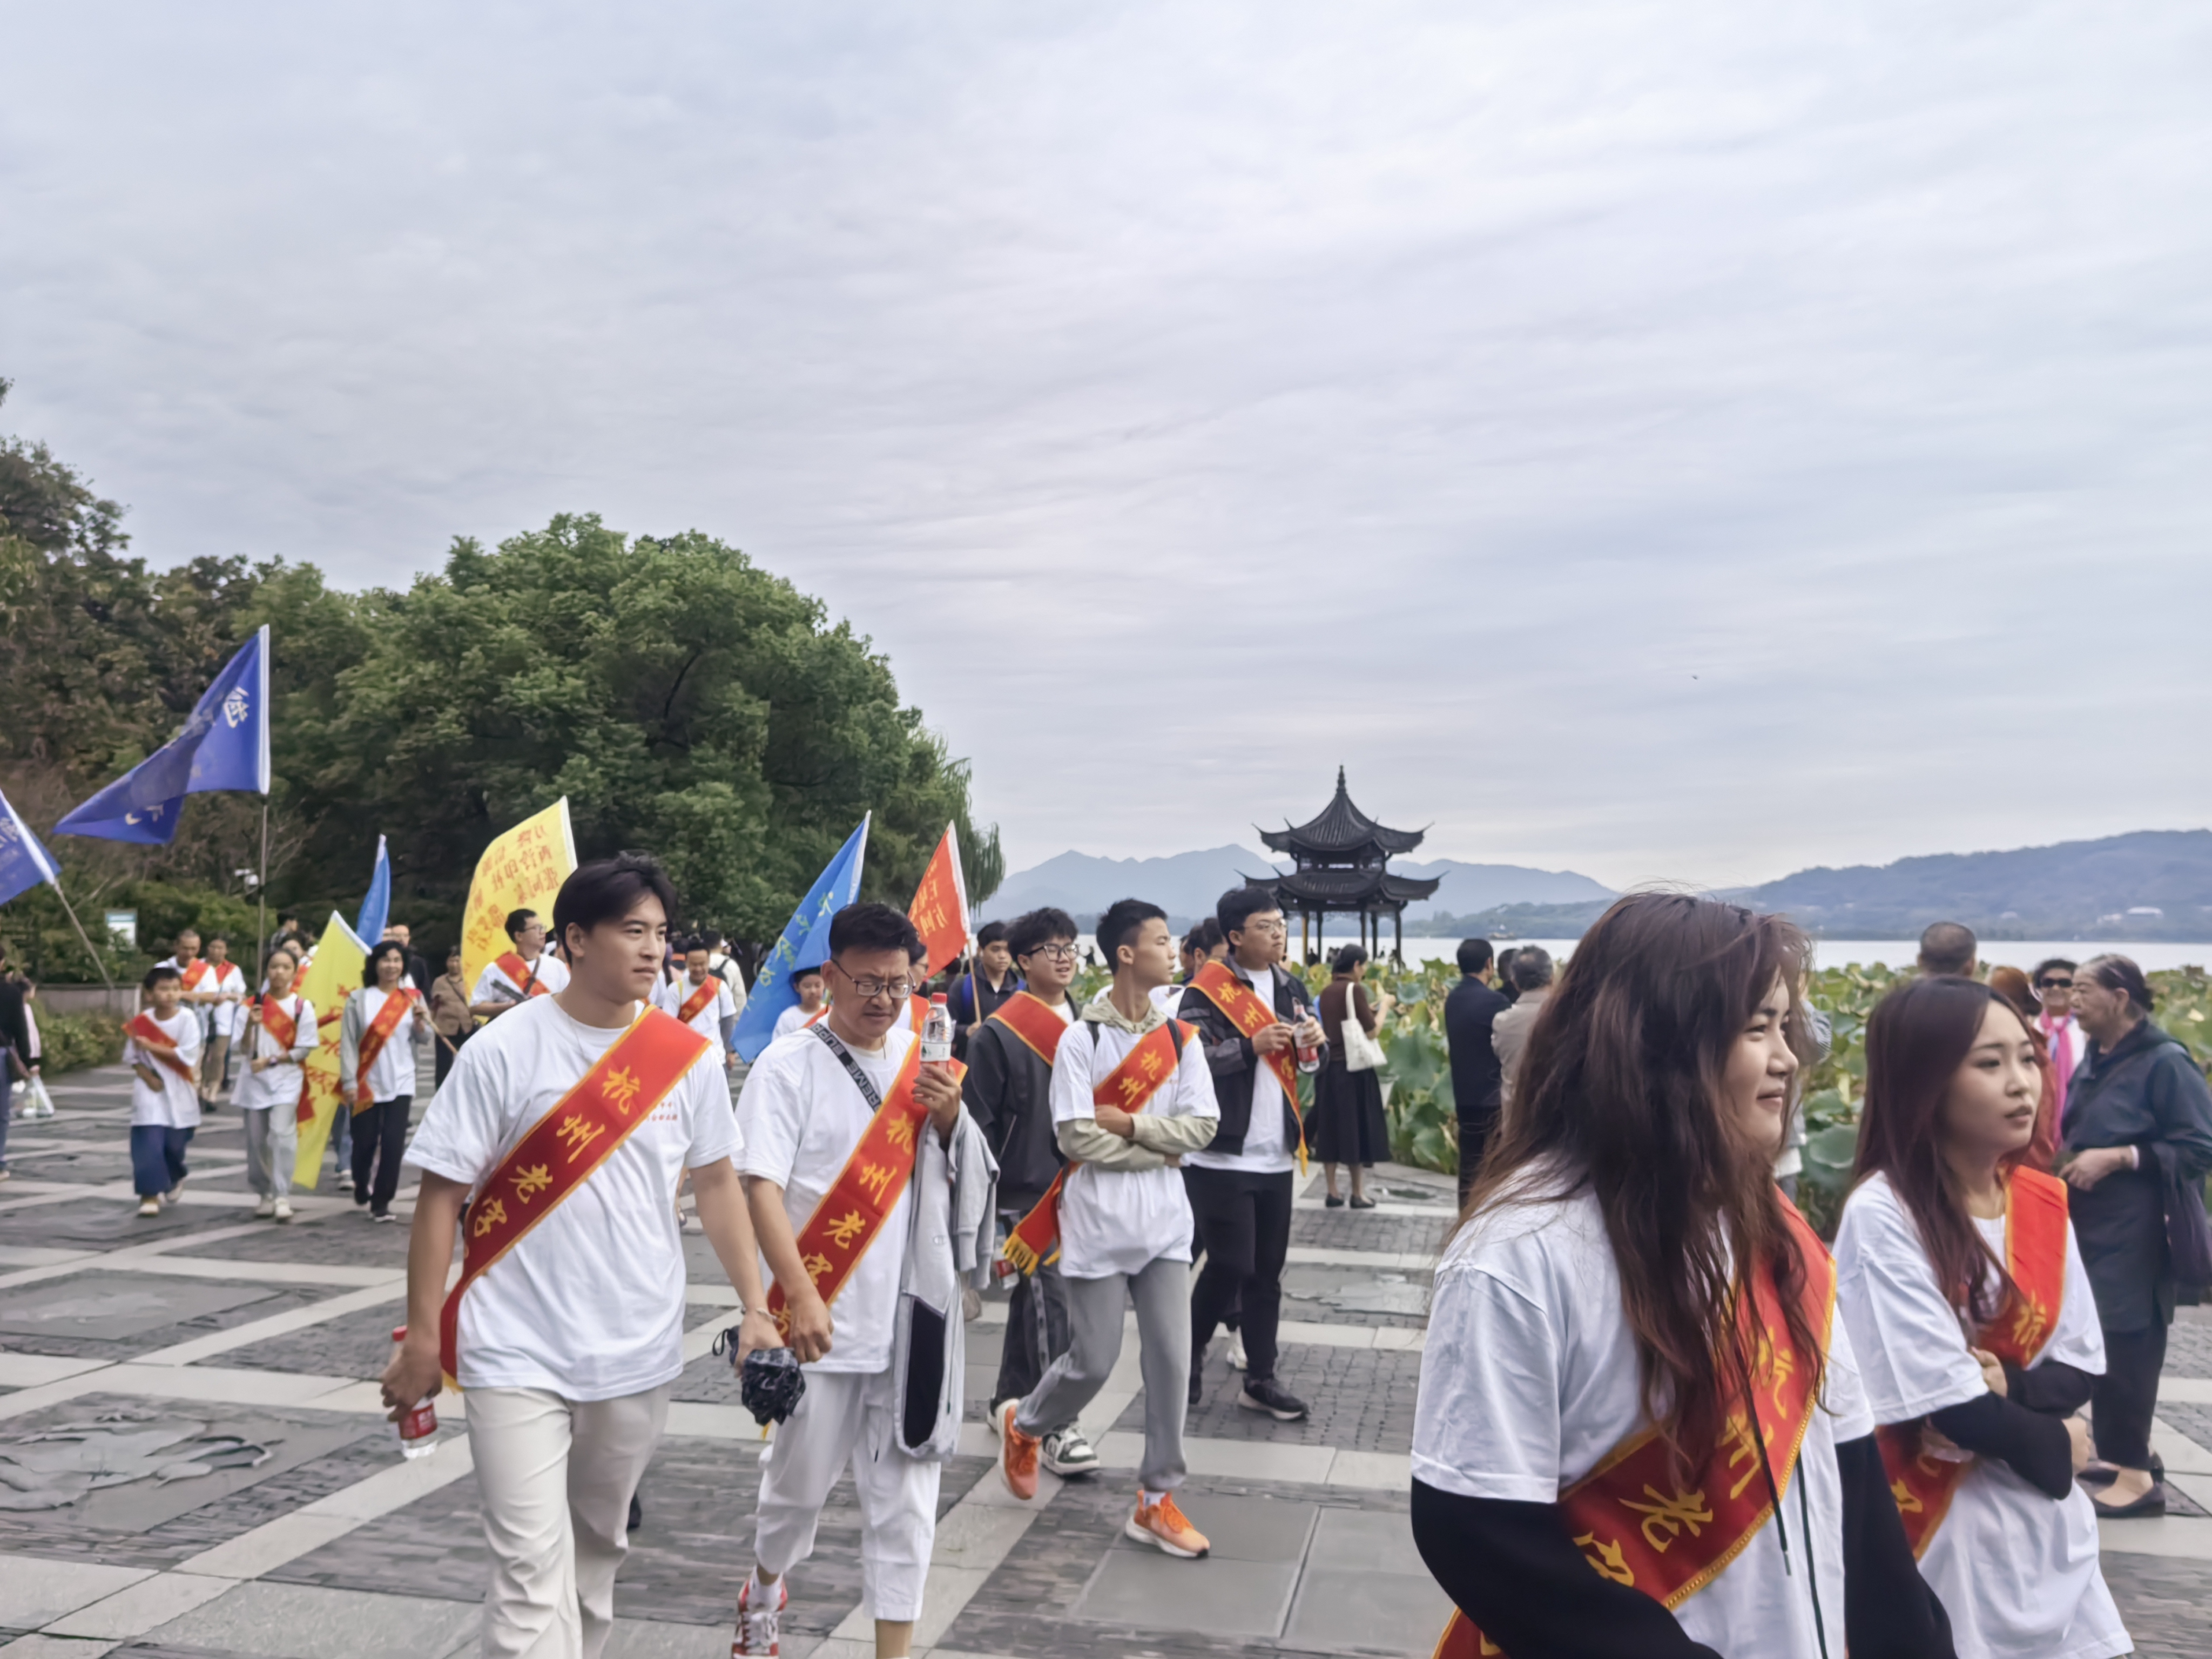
1974, 1324
1640, 1430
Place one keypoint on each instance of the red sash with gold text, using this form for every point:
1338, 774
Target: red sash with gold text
865, 1192
195, 973
149, 1036
1031, 1019
1241, 1005
283, 1026
522, 974
2035, 1258
1144, 1071
1636, 1520
373, 1040
699, 999
560, 1151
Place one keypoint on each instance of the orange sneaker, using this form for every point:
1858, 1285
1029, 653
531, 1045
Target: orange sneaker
1160, 1524
1017, 1454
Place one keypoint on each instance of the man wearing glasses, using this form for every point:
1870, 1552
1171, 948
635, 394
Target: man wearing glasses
1008, 1090
512, 978
1241, 1185
812, 1096
2061, 1036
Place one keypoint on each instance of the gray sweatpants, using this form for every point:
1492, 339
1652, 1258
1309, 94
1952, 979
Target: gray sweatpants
1161, 1293
272, 1143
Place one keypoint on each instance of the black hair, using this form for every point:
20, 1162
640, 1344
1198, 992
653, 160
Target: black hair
2046, 965
1234, 907
1118, 926
188, 929
1947, 947
991, 933
1474, 956
518, 920
155, 976
217, 938
1532, 968
390, 947
1347, 958
1040, 927
1201, 939
873, 927
696, 942
813, 969
607, 890
2119, 973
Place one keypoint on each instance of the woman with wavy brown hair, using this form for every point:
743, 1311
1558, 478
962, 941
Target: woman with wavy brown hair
1976, 1330
1640, 1430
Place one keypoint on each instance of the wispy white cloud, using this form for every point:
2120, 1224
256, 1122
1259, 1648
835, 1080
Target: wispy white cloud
1436, 388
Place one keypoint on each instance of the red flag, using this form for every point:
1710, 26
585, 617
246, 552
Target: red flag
939, 910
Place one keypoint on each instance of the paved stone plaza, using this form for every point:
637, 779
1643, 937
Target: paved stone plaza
185, 1401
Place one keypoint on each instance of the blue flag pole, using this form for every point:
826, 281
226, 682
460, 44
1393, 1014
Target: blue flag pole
24, 864
805, 943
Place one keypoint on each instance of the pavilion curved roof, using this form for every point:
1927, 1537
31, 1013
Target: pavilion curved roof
1340, 830
1346, 889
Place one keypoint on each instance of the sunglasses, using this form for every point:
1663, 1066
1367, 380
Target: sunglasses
2054, 983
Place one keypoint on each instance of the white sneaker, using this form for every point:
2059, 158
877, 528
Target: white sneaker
1236, 1350
1068, 1455
171, 1196
760, 1629
264, 1209
149, 1206
282, 1211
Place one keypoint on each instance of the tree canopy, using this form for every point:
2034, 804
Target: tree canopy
688, 702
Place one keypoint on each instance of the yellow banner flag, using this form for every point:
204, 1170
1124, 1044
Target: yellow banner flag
332, 977
522, 870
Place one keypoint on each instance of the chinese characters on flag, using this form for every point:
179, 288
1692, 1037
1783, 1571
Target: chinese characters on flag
939, 910
522, 870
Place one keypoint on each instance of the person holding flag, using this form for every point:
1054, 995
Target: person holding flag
551, 1152
161, 1046
1258, 1026
701, 998
280, 1034
1008, 1092
515, 975
1131, 1097
833, 1117
376, 1073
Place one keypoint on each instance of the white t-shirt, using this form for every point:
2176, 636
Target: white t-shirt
2017, 1572
391, 1073
279, 1085
792, 1018
672, 994
1265, 1150
803, 1115
589, 1304
176, 1103
1529, 1378
226, 1019
493, 985
1115, 1221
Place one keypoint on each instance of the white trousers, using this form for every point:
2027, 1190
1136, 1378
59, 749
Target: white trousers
272, 1146
556, 1477
841, 1420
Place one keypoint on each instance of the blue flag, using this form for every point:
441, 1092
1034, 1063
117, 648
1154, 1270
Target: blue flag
224, 745
805, 944
378, 905
23, 863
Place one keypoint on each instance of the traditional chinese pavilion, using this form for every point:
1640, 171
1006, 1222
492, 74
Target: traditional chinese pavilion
1343, 869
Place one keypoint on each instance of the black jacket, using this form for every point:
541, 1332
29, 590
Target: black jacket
2146, 1093
1008, 1092
1231, 1059
1470, 1010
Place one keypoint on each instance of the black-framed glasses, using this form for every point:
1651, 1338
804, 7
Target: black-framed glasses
898, 990
2053, 983
1057, 953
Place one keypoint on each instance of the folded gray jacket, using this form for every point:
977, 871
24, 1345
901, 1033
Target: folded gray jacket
952, 1233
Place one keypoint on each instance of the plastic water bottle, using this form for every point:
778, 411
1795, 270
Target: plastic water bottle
937, 1033
1308, 1057
418, 1429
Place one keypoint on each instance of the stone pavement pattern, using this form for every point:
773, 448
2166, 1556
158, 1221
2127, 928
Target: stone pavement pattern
219, 1368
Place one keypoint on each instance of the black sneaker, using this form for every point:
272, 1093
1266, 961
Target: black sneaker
1197, 1390
636, 1514
1265, 1395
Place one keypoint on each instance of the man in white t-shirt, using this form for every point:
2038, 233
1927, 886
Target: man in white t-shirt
569, 1342
804, 1110
809, 984
1125, 1222
701, 999
161, 1046
514, 976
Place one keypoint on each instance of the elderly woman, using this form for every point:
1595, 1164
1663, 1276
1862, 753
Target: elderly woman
2138, 1126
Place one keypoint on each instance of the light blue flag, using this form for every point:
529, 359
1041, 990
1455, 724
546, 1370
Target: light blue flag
224, 745
23, 863
805, 944
378, 905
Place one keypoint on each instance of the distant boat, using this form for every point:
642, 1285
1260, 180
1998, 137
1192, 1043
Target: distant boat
1504, 934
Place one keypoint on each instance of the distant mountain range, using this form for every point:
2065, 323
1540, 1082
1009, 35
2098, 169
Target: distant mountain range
2150, 884
1187, 884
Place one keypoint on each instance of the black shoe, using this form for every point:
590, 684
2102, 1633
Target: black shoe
636, 1514
2104, 1474
1362, 1203
2151, 1503
1333, 1203
1197, 1389
1265, 1395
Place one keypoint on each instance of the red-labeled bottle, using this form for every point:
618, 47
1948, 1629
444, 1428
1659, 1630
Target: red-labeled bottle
418, 1429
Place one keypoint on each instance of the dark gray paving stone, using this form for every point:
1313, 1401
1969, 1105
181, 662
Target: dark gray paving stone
146, 1309
88, 1163
356, 1344
1320, 1294
2166, 1604
1362, 1230
104, 1223
346, 1239
216, 1507
1360, 1399
2189, 1348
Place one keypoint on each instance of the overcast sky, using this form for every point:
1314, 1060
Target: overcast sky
1672, 440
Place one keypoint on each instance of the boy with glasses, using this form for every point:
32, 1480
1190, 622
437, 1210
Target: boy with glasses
814, 1108
1008, 1092
1252, 1017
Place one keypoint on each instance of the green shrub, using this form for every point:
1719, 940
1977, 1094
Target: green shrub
68, 1042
